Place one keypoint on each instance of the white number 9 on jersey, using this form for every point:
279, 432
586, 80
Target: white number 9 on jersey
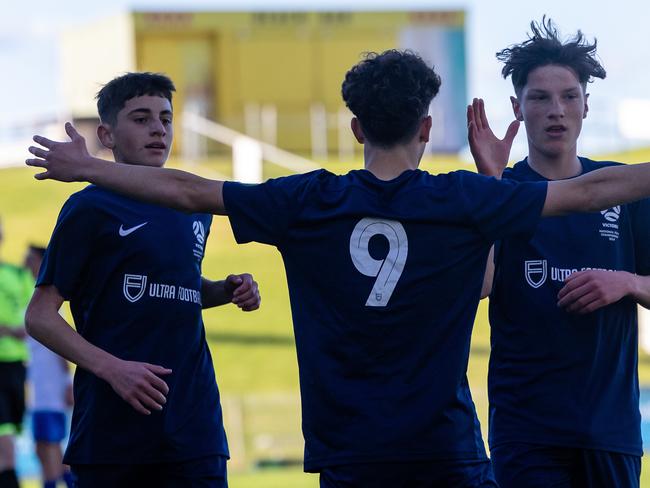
387, 270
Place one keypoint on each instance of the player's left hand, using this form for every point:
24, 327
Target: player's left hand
490, 153
244, 291
587, 291
62, 161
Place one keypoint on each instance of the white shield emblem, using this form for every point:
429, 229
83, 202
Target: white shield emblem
536, 272
134, 287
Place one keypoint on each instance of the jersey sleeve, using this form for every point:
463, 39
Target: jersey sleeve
641, 232
500, 208
264, 212
69, 249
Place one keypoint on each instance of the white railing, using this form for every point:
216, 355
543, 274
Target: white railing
248, 152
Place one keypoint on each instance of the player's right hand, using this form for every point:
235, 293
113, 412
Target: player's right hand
62, 161
490, 153
139, 384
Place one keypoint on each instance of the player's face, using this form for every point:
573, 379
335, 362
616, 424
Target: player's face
143, 133
552, 105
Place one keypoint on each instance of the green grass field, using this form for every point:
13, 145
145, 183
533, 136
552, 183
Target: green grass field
254, 353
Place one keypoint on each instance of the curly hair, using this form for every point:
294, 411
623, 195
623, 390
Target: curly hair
390, 93
544, 47
114, 94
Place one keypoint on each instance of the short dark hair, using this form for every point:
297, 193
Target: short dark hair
390, 93
544, 47
114, 94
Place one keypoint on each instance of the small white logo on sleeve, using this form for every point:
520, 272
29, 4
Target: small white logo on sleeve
134, 287
125, 232
536, 272
199, 233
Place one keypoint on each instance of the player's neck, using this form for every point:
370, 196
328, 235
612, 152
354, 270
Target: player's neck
557, 167
387, 164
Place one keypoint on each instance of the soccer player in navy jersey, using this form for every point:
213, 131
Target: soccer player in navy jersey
563, 385
147, 409
384, 267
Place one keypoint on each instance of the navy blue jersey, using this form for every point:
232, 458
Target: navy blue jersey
132, 274
557, 378
384, 279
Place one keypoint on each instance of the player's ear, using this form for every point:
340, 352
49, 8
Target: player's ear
425, 129
357, 130
516, 109
105, 136
586, 109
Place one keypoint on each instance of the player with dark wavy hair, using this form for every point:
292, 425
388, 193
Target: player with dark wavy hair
562, 382
403, 83
384, 266
544, 47
147, 408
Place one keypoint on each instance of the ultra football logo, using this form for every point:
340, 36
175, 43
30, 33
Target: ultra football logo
199, 233
134, 287
536, 272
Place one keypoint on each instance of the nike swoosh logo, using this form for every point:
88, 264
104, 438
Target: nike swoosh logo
125, 232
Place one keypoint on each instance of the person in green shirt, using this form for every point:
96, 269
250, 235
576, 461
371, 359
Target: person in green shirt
16, 287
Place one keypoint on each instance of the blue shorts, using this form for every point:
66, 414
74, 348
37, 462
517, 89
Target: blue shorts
423, 474
537, 466
48, 426
208, 472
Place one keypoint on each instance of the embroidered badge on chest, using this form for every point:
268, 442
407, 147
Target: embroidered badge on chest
609, 225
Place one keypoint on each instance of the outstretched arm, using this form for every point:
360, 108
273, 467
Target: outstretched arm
139, 384
70, 161
242, 290
587, 291
598, 190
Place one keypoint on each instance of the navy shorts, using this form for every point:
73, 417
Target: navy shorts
425, 474
208, 472
537, 466
48, 426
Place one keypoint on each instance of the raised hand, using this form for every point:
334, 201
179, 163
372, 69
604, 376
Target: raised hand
62, 161
138, 384
586, 291
490, 153
244, 291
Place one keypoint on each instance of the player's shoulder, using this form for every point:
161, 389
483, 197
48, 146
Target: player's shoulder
520, 171
591, 165
91, 195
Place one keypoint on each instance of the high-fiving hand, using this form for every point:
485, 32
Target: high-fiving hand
490, 153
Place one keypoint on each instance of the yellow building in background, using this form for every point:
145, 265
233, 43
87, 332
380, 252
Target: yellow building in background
276, 76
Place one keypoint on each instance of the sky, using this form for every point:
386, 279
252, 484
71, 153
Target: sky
29, 86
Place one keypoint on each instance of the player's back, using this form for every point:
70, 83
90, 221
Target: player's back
384, 279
